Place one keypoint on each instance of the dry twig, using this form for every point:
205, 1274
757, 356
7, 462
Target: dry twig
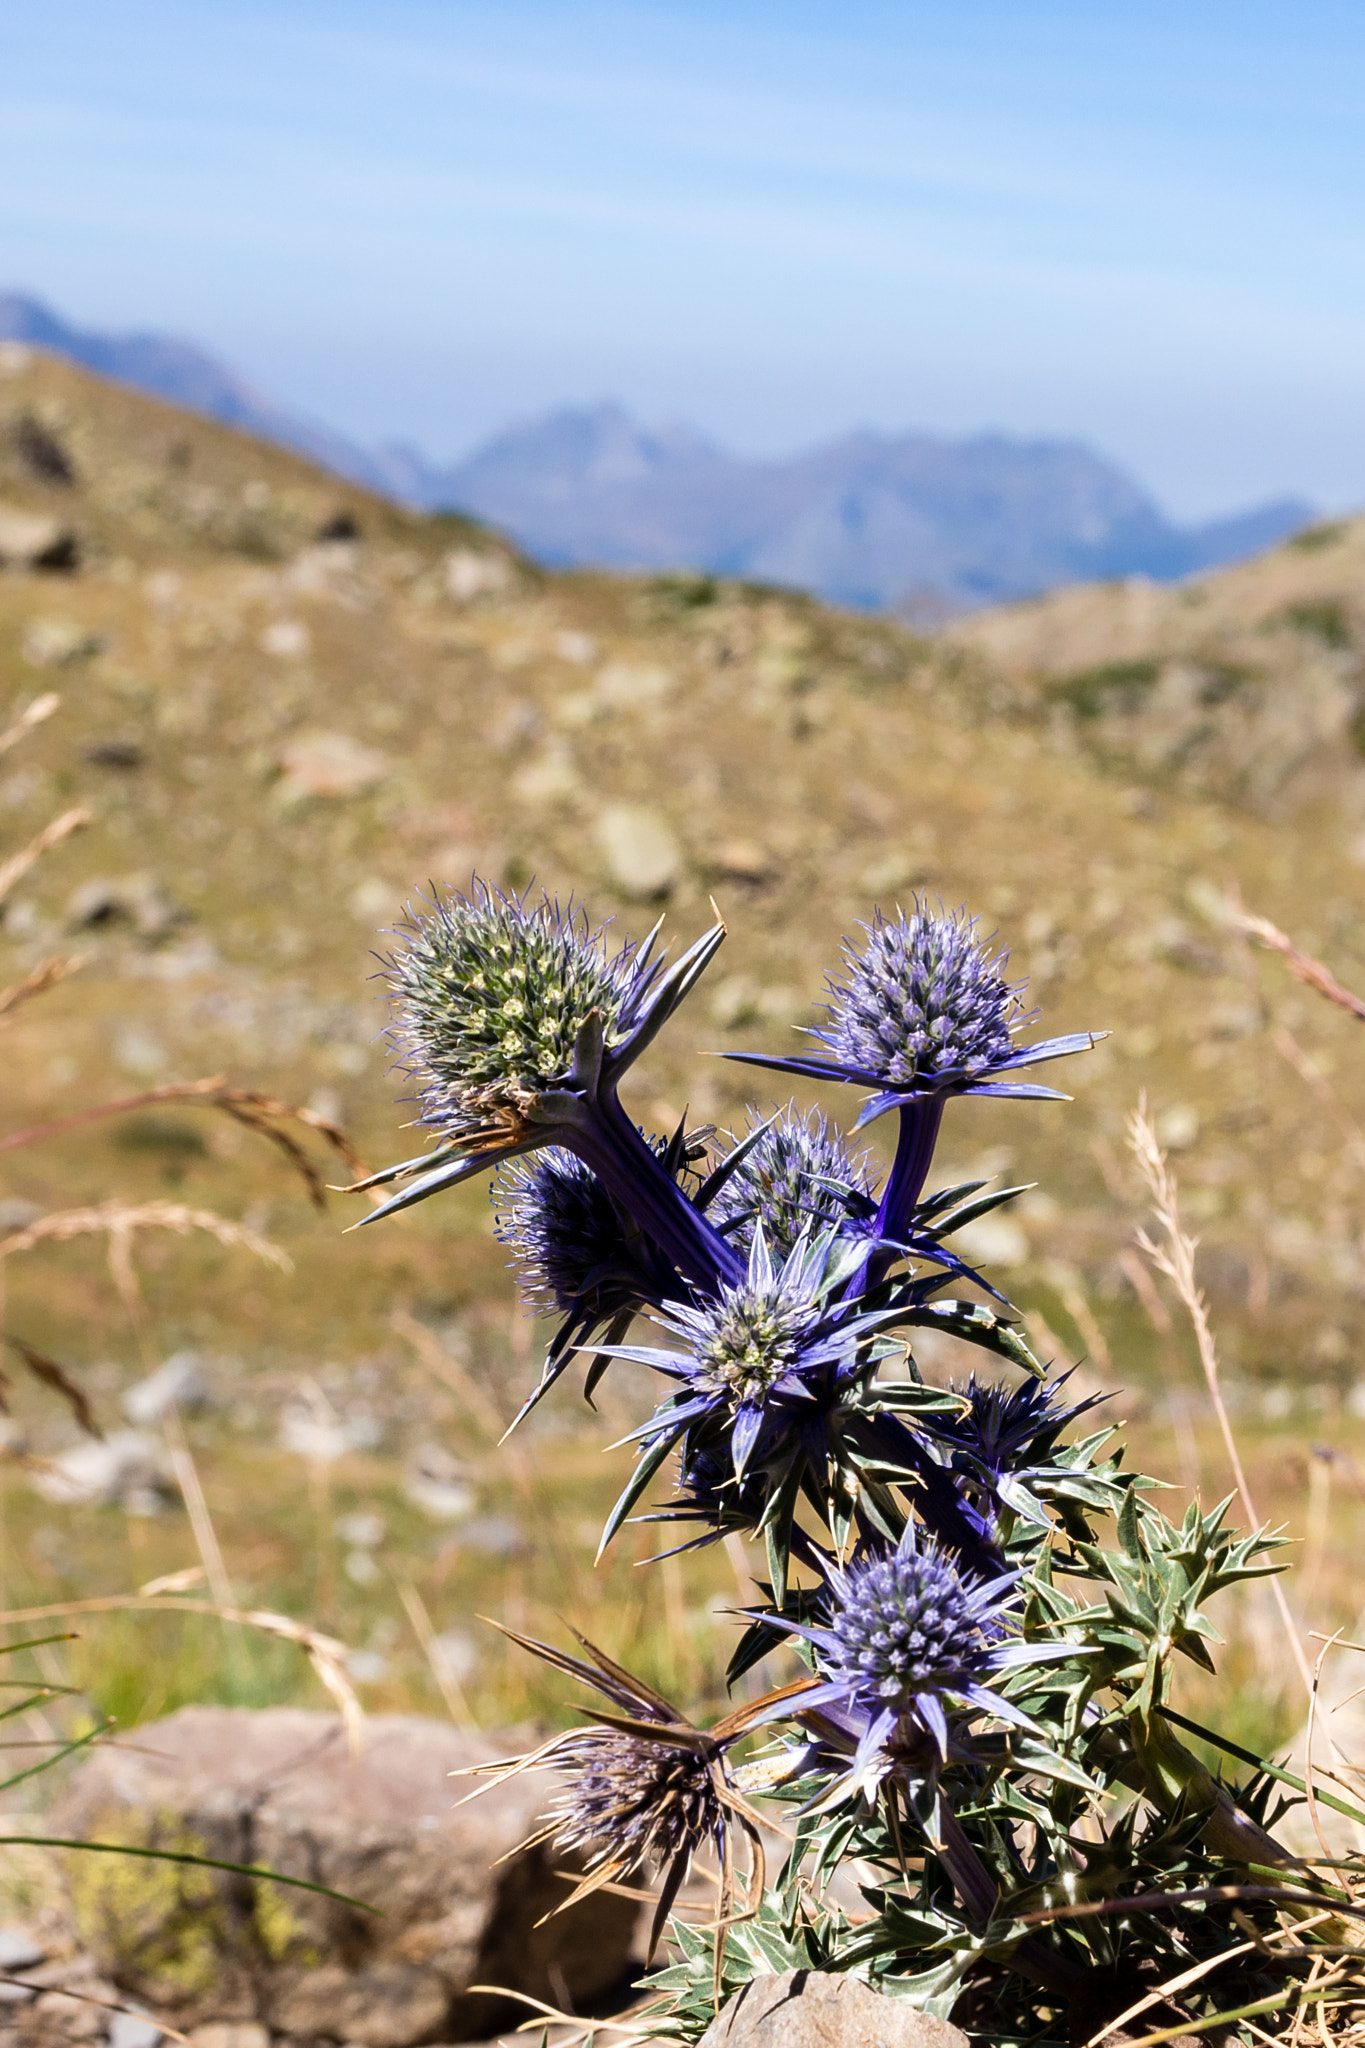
120, 1221
1301, 965
264, 1114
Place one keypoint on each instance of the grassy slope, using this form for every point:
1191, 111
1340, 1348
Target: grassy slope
806, 763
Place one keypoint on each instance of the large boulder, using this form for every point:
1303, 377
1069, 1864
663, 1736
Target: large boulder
279, 1789
812, 2009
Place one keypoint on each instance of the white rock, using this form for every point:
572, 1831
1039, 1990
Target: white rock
35, 540
286, 639
1177, 1128
579, 648
643, 857
55, 643
181, 1382
133, 2030
127, 1468
435, 1482
991, 1241
18, 1949
470, 575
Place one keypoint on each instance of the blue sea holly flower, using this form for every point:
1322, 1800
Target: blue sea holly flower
771, 1343
517, 1023
1004, 1439
924, 1011
909, 1639
579, 1255
798, 1177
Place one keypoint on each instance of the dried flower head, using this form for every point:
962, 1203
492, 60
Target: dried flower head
631, 1801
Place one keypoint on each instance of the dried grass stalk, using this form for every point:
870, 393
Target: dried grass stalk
325, 1653
40, 709
58, 1379
120, 1221
1301, 965
17, 866
265, 1114
46, 975
1174, 1256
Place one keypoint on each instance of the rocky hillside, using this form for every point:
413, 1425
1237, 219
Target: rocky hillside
1248, 685
287, 705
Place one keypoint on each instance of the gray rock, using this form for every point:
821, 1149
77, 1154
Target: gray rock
279, 1789
642, 855
127, 1469
18, 1949
808, 2009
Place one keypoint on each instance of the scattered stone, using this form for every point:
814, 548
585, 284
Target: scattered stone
992, 1241
579, 648
181, 1382
136, 900
435, 1482
642, 855
231, 2034
462, 1901
17, 1214
57, 643
317, 1434
123, 754
549, 779
126, 1470
633, 685
812, 2009
342, 526
286, 639
35, 540
132, 2030
328, 764
1177, 1127
19, 1950
470, 575
41, 453
743, 860
15, 359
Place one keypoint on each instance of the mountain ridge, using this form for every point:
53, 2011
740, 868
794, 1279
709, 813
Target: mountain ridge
910, 523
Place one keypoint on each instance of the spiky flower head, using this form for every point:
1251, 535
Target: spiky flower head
632, 1801
905, 1624
492, 994
766, 1346
923, 1011
909, 1636
561, 1224
924, 1004
798, 1177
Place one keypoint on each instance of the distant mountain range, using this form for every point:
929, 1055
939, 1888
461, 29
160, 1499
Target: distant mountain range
910, 522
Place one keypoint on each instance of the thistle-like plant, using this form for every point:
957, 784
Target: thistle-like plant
988, 1606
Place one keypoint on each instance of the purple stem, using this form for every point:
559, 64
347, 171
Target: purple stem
608, 1142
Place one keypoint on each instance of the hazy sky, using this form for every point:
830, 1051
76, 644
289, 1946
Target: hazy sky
1139, 223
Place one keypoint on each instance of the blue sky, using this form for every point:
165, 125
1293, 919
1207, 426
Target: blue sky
1137, 223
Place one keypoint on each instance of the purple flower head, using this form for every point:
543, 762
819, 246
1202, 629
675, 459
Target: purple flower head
924, 1010
910, 1637
569, 1236
759, 1352
798, 1177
